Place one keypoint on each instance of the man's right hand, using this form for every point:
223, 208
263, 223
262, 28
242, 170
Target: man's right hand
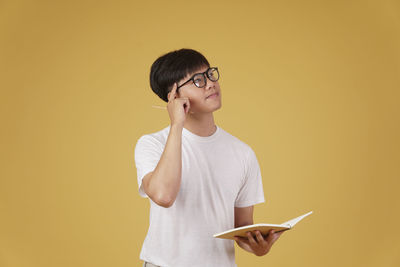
177, 107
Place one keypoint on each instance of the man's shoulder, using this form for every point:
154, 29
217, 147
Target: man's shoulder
235, 141
155, 137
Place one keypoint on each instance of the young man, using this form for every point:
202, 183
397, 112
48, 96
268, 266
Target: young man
200, 180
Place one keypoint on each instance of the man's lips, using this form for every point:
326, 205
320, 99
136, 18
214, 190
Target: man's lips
215, 94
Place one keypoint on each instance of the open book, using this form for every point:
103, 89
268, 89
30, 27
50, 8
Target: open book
262, 227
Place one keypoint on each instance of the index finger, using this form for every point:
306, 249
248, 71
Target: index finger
272, 236
173, 92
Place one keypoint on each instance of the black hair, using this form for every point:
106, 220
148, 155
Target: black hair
172, 67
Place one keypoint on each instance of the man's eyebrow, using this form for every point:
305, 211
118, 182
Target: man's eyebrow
195, 73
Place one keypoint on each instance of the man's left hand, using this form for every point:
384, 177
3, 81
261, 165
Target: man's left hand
260, 245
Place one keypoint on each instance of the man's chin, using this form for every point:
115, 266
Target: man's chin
217, 108
205, 111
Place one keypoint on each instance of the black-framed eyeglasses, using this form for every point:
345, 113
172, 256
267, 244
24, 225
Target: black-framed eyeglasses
200, 79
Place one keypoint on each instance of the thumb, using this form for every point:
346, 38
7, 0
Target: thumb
187, 106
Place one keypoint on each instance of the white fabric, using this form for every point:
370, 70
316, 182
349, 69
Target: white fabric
219, 172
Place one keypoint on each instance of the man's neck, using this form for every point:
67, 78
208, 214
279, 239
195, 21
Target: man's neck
200, 124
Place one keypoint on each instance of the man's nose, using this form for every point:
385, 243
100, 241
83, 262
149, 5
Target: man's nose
209, 84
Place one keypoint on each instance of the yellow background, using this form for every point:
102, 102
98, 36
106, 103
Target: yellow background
311, 86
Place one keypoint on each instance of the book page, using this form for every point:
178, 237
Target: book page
263, 228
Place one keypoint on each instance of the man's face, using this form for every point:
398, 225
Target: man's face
202, 100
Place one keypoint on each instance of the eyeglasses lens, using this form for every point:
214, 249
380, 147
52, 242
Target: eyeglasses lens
199, 80
213, 74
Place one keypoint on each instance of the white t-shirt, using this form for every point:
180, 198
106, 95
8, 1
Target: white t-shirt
219, 172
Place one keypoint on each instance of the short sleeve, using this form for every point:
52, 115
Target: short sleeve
252, 191
148, 151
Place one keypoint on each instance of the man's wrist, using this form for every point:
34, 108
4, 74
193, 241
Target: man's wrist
177, 126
